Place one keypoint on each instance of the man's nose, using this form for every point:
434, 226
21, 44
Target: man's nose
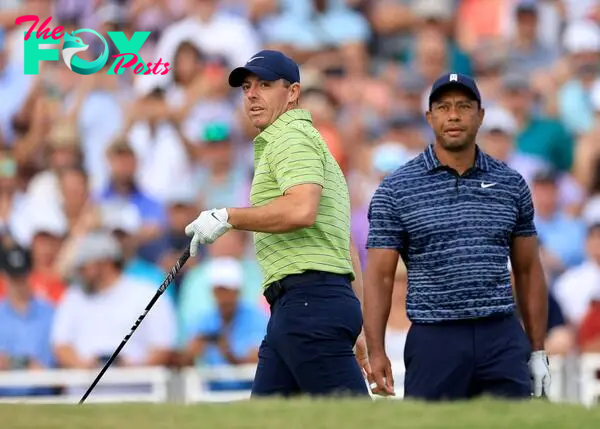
453, 114
251, 92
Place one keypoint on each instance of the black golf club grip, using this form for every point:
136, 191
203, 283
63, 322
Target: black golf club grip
165, 284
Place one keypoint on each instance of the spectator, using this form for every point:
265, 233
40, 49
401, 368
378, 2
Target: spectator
498, 133
435, 16
25, 321
13, 202
98, 311
98, 96
589, 331
575, 289
181, 208
582, 42
195, 298
123, 221
163, 161
322, 107
49, 229
215, 32
587, 151
75, 201
526, 53
230, 334
64, 151
312, 27
222, 180
561, 337
14, 89
563, 237
124, 185
537, 135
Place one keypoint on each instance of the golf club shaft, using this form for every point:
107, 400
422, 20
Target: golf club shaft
174, 270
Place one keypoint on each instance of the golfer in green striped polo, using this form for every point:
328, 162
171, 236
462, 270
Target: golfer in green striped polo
300, 213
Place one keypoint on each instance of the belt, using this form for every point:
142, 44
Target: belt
276, 289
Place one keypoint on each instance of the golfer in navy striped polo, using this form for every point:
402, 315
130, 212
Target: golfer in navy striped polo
455, 216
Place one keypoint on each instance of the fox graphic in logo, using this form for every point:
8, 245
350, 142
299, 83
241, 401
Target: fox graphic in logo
72, 45
127, 45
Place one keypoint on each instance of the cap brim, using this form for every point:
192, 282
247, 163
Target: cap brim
237, 76
452, 85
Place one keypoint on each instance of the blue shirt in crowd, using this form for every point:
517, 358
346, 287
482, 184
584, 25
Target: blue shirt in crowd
26, 336
245, 333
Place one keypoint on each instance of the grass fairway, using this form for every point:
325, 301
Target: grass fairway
301, 414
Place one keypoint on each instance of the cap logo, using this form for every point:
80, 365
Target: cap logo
453, 77
252, 59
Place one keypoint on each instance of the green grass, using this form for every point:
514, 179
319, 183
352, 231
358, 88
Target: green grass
302, 414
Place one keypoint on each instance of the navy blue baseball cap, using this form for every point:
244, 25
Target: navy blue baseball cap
454, 81
267, 65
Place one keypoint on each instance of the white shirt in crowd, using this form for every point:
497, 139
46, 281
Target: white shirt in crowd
95, 324
575, 289
163, 163
226, 35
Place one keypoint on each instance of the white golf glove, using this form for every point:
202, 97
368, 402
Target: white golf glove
540, 373
210, 225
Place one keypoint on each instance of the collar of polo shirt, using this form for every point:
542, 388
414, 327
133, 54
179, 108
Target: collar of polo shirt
433, 163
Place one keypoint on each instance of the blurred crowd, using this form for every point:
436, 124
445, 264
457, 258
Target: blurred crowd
99, 174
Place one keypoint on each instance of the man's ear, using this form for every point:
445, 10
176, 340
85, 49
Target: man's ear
428, 117
294, 93
481, 116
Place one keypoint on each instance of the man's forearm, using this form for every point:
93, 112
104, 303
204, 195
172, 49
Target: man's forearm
284, 214
66, 357
158, 357
377, 304
532, 298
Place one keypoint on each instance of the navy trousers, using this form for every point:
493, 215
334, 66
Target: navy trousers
308, 347
461, 360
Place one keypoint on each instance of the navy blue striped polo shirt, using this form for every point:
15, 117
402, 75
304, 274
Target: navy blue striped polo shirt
453, 232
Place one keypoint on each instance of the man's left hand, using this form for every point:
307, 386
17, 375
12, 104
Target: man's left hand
362, 356
540, 373
210, 225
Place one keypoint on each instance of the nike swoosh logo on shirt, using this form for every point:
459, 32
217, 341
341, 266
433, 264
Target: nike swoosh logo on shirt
487, 185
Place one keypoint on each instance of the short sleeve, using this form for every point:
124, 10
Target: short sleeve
385, 227
208, 324
525, 226
296, 159
64, 321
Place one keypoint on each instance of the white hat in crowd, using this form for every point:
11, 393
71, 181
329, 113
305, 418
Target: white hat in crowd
226, 272
499, 119
97, 246
121, 216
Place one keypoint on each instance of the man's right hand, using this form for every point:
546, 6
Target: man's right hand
381, 380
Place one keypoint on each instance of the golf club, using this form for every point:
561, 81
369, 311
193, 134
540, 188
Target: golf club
174, 270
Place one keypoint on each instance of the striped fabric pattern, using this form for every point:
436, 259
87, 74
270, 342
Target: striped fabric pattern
454, 234
291, 152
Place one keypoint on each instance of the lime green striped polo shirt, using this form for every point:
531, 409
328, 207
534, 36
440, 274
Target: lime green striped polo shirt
292, 152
